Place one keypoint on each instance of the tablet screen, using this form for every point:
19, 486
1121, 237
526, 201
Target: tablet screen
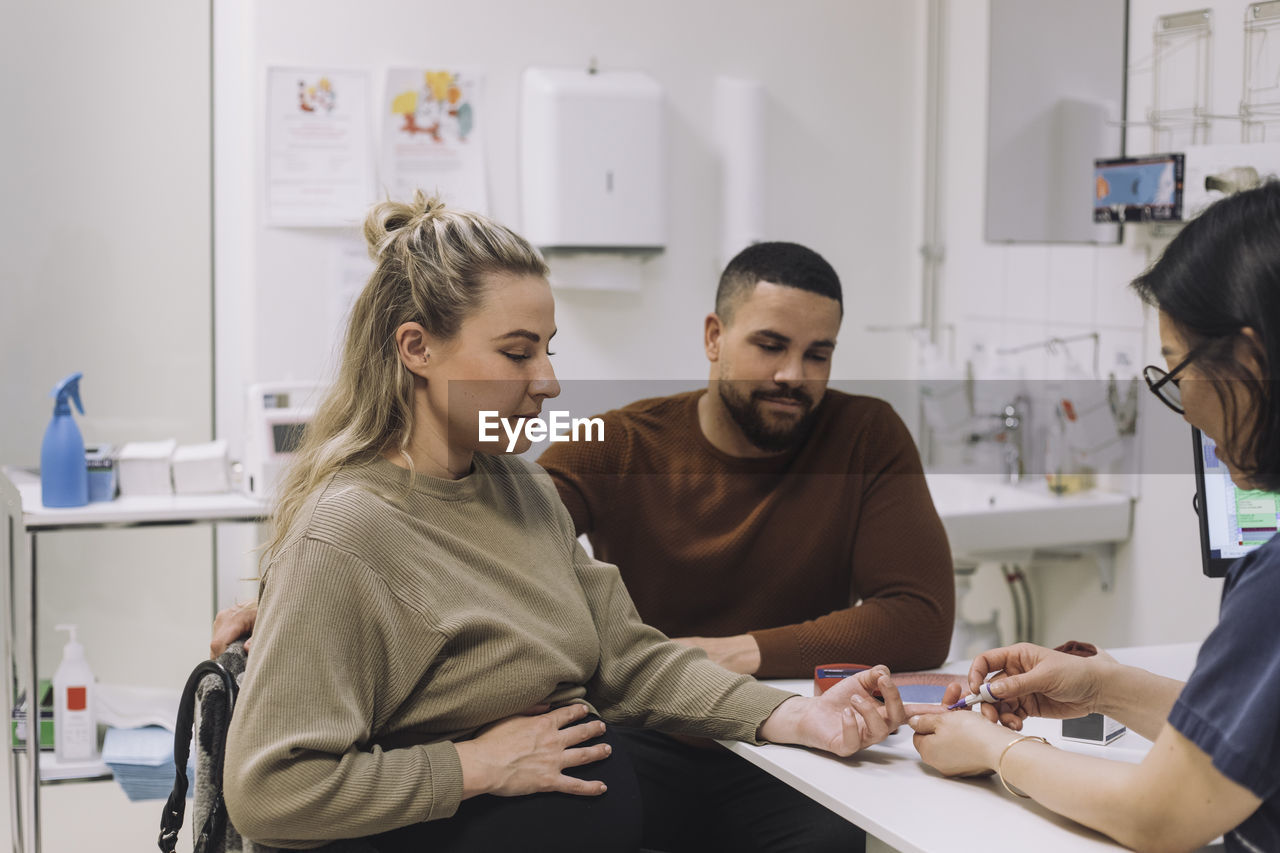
1233, 521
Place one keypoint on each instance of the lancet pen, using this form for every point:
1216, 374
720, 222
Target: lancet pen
983, 695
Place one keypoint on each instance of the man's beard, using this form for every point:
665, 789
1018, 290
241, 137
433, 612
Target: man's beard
746, 413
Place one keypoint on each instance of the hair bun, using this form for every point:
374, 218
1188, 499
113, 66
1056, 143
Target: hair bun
387, 218
426, 206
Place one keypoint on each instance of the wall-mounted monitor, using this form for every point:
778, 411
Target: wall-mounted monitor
1138, 189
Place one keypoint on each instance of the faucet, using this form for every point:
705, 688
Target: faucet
1008, 432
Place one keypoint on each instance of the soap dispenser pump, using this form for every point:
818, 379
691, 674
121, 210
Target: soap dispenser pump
75, 726
64, 475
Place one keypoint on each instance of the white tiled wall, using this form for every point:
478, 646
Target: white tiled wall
1006, 295
1009, 295
1073, 285
1015, 295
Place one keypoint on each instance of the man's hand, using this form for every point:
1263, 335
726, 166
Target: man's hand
740, 653
230, 625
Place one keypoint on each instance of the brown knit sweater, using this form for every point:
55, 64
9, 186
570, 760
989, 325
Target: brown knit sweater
784, 547
401, 618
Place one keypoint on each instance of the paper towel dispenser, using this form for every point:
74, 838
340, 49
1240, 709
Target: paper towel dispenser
592, 159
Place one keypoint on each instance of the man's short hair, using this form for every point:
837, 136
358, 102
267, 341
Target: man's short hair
787, 264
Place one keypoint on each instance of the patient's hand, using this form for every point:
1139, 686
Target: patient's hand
528, 754
230, 625
739, 653
842, 720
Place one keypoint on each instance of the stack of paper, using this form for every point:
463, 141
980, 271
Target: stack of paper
126, 707
201, 469
142, 761
143, 468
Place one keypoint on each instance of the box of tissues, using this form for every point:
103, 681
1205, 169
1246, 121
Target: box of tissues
142, 468
201, 469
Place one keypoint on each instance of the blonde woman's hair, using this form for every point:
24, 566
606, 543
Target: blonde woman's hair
430, 261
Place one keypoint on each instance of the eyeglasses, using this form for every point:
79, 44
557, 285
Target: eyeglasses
1164, 384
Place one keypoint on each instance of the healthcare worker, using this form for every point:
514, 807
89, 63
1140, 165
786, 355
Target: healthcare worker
1214, 767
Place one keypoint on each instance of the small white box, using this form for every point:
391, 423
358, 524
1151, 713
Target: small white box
592, 159
143, 468
201, 469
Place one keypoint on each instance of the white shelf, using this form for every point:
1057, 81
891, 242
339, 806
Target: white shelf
53, 770
125, 511
24, 516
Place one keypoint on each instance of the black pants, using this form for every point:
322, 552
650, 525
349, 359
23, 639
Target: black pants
551, 822
707, 800
663, 795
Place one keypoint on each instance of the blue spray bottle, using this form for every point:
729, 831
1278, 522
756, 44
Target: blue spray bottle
64, 476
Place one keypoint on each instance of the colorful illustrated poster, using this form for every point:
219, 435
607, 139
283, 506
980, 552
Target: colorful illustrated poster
432, 137
319, 151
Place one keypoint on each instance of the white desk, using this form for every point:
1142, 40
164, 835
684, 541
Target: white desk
24, 517
896, 798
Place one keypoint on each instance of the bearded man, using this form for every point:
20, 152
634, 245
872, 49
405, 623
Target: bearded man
771, 521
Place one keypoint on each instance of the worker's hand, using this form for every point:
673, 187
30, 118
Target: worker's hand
230, 625
528, 754
740, 653
1036, 682
959, 743
842, 720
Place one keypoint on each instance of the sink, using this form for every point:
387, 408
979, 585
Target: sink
984, 514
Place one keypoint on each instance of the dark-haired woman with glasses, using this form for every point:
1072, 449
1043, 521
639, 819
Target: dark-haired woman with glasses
1214, 767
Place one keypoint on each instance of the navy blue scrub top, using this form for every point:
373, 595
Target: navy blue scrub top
1230, 707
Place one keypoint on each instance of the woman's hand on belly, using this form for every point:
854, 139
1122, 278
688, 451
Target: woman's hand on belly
527, 754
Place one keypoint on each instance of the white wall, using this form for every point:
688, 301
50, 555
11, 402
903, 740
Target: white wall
1164, 598
1013, 294
105, 254
107, 258
106, 269
844, 88
844, 84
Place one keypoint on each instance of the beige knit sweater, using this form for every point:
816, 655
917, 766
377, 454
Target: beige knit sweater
403, 616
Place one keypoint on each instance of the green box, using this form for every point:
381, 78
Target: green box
46, 718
